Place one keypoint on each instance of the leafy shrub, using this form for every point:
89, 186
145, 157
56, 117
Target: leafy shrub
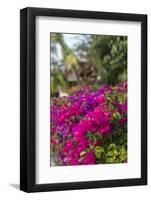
90, 127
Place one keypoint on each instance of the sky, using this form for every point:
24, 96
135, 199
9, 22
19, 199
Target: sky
71, 40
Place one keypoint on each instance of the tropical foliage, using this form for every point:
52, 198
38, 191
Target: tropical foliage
90, 127
88, 119
93, 59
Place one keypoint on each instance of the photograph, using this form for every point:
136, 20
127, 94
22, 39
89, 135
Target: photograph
88, 99
83, 84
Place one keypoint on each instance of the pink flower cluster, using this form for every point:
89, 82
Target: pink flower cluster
78, 122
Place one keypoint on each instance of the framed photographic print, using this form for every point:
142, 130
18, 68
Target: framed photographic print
83, 99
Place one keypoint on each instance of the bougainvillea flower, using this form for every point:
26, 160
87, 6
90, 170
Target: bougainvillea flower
88, 119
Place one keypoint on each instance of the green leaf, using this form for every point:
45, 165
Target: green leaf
110, 160
112, 146
123, 154
108, 98
82, 153
110, 153
89, 134
99, 150
117, 115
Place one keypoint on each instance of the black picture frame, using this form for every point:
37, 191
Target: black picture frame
28, 99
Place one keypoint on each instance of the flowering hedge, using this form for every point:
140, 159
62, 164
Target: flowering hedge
90, 127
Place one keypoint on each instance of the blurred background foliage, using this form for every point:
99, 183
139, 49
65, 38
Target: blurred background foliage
79, 60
